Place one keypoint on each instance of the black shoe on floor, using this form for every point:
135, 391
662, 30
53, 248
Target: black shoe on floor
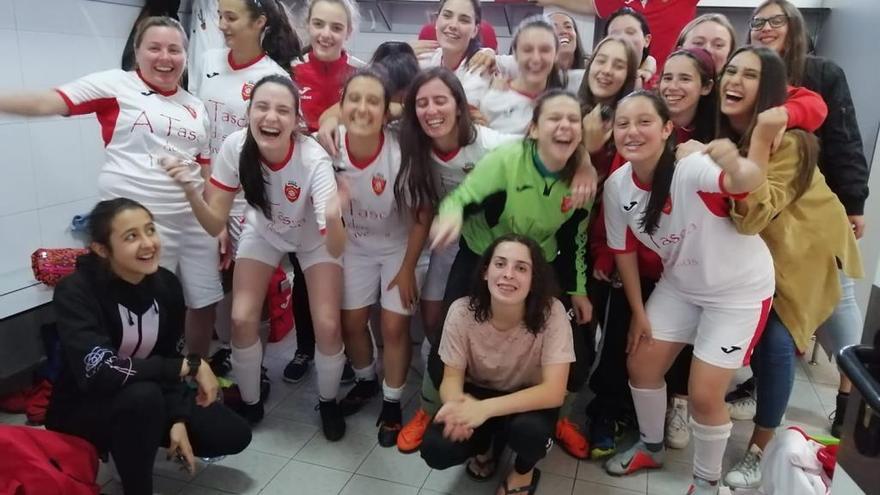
839, 414
358, 396
743, 390
390, 423
347, 374
297, 368
221, 361
332, 421
253, 413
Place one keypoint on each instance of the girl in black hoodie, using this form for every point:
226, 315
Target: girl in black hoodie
120, 320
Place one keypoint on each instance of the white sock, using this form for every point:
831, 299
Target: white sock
425, 352
368, 372
650, 411
329, 370
709, 445
246, 362
391, 394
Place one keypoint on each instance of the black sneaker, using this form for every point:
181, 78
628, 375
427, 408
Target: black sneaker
221, 361
358, 396
347, 374
297, 368
252, 413
332, 421
390, 423
838, 415
742, 391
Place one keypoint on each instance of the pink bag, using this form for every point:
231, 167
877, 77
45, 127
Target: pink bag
51, 265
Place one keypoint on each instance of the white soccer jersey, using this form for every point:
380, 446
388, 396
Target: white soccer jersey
297, 189
703, 255
204, 32
450, 168
225, 88
508, 110
141, 124
372, 220
475, 86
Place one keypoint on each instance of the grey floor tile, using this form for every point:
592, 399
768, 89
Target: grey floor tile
589, 488
362, 485
559, 463
245, 473
390, 465
161, 486
346, 454
303, 478
594, 472
281, 437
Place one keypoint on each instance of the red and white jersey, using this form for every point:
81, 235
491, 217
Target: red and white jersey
372, 220
297, 189
204, 33
508, 110
320, 84
451, 168
225, 89
141, 124
703, 255
475, 86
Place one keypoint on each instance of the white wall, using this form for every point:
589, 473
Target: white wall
49, 165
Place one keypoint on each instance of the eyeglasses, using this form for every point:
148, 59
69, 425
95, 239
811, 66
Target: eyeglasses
777, 21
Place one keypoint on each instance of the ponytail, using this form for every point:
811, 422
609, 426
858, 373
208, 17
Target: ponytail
280, 41
660, 187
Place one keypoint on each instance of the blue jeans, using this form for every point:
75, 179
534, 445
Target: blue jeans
844, 326
773, 362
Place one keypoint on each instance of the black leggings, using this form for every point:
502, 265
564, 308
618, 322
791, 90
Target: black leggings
132, 425
305, 329
531, 439
461, 277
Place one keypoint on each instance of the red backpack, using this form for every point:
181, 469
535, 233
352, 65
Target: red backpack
40, 462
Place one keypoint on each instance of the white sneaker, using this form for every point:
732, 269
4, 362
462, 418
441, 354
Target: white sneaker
702, 487
678, 433
742, 409
747, 472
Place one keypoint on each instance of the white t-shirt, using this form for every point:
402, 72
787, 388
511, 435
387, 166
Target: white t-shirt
372, 220
140, 125
225, 89
475, 86
297, 190
703, 255
204, 32
508, 110
451, 168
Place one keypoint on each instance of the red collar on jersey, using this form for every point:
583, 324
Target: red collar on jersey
362, 164
332, 66
244, 65
641, 185
446, 155
154, 88
279, 165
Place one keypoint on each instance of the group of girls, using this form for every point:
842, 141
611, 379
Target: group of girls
459, 184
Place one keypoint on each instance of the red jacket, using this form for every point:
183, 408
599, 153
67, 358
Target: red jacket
320, 84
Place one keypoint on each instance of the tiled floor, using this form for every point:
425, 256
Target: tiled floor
288, 454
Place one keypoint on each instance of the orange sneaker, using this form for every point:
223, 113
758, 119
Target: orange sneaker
410, 437
570, 438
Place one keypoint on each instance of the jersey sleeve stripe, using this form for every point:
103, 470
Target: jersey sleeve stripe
106, 109
223, 186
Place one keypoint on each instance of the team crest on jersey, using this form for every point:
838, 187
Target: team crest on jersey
378, 184
292, 190
468, 167
566, 204
246, 90
191, 110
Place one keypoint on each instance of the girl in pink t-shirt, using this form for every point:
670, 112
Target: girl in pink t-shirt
506, 351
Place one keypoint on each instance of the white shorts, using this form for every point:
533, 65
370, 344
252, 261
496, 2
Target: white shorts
366, 277
438, 272
193, 255
722, 335
251, 245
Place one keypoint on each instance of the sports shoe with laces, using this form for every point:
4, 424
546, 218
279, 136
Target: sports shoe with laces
742, 409
297, 368
570, 438
678, 433
410, 437
635, 459
747, 472
359, 396
332, 421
